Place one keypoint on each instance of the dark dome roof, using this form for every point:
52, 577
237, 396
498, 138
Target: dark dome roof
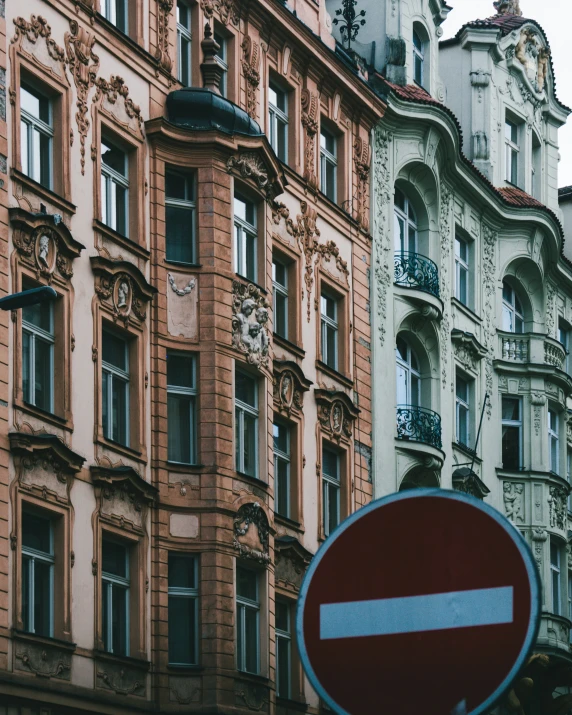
201, 109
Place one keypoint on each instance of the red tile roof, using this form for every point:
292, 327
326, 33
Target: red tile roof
518, 197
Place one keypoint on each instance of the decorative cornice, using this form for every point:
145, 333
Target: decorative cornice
336, 413
64, 459
122, 287
124, 478
113, 91
33, 30
289, 385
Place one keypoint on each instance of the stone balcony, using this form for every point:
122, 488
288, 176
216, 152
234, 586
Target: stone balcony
532, 348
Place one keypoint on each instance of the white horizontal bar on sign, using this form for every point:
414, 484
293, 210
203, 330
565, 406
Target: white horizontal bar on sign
412, 614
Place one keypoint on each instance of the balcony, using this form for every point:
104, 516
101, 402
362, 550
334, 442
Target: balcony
531, 347
418, 424
413, 270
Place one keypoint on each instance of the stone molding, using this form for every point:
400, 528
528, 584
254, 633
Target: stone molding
122, 288
336, 414
249, 323
289, 384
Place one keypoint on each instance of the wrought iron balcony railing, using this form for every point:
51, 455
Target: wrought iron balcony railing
415, 271
418, 424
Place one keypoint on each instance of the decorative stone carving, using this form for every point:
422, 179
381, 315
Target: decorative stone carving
181, 291
336, 413
249, 165
362, 163
113, 97
122, 495
382, 241
121, 679
445, 283
315, 253
28, 33
292, 560
184, 690
513, 498
550, 309
466, 481
289, 385
249, 321
507, 7
255, 697
84, 66
534, 57
310, 102
250, 63
43, 660
122, 288
162, 55
489, 333
539, 536
182, 306
537, 400
227, 10
557, 507
480, 146
249, 544
467, 349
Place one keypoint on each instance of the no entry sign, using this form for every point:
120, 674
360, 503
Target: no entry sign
426, 601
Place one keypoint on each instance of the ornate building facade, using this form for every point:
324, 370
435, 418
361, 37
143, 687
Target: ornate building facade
190, 418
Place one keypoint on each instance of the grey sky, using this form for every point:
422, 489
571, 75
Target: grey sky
554, 16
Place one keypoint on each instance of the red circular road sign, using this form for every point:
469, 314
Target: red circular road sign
423, 601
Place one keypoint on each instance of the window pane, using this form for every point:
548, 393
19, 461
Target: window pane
45, 159
463, 425
24, 148
26, 565
282, 490
330, 463
333, 507
249, 451
42, 598
283, 616
511, 408
114, 158
247, 584
331, 347
36, 532
250, 241
245, 389
279, 273
181, 571
185, 68
114, 351
120, 208
244, 209
26, 373
462, 389
114, 558
280, 433
330, 188
43, 366
39, 315
280, 315
119, 596
282, 140
182, 630
251, 640
180, 425
463, 281
179, 233
119, 414
180, 371
510, 447
283, 667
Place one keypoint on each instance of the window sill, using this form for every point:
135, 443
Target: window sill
251, 282
344, 379
122, 449
467, 450
290, 704
286, 521
253, 480
46, 194
182, 265
465, 309
254, 678
119, 238
181, 467
288, 345
140, 663
43, 640
49, 417
185, 668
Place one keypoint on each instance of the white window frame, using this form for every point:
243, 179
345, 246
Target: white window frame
564, 339
275, 117
462, 267
184, 33
512, 149
284, 636
329, 325
187, 392
109, 12
569, 476
35, 333
28, 140
512, 309
280, 290
243, 230
514, 423
113, 373
553, 439
327, 158
418, 55
108, 581
222, 58
280, 456
460, 406
46, 557
240, 409
109, 178
410, 371
556, 575
407, 218
242, 604
331, 481
190, 205
187, 593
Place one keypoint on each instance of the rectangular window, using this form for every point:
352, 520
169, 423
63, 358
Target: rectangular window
569, 475
222, 59
181, 408
115, 388
511, 432
280, 297
278, 121
553, 440
184, 43
246, 423
555, 577
283, 650
512, 150
281, 468
418, 59
36, 135
116, 12
114, 187
564, 338
247, 621
329, 330
462, 270
183, 609
38, 355
37, 574
328, 164
180, 218
462, 394
245, 253
115, 583
331, 488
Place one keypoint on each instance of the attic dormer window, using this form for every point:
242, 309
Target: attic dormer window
418, 59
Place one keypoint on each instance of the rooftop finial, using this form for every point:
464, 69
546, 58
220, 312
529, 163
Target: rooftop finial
211, 70
507, 7
349, 25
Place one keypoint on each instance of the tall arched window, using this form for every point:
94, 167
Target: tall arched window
512, 312
408, 374
405, 224
418, 59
